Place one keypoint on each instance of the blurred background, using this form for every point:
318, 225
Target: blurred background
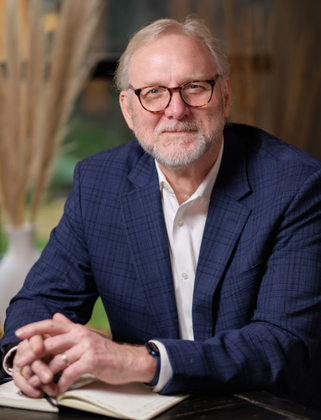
274, 50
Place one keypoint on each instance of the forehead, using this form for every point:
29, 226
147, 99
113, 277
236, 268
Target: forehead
171, 60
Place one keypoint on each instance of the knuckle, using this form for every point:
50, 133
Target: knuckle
35, 366
23, 345
83, 333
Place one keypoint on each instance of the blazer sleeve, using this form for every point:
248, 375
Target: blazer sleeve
61, 280
279, 350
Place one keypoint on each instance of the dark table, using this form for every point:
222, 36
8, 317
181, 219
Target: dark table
216, 406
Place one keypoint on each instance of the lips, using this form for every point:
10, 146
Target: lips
178, 131
185, 128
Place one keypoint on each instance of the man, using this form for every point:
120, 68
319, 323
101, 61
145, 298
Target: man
202, 239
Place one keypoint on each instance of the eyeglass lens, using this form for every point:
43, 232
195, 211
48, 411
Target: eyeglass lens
156, 98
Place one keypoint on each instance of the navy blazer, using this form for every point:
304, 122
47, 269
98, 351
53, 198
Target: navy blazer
257, 298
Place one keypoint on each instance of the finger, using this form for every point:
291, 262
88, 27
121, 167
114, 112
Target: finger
28, 351
41, 369
26, 372
36, 344
48, 326
76, 334
71, 369
51, 389
80, 339
35, 381
38, 378
21, 382
70, 375
60, 343
61, 318
62, 361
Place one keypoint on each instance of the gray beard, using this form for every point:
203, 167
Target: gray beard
179, 160
202, 143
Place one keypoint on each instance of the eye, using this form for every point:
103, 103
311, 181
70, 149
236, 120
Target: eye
153, 92
196, 88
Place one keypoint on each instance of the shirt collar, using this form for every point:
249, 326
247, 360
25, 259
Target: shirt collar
205, 188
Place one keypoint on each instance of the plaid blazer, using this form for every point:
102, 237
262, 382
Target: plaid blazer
257, 297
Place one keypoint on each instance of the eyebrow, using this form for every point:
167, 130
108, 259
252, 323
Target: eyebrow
187, 80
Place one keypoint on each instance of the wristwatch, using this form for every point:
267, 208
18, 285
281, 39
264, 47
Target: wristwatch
153, 351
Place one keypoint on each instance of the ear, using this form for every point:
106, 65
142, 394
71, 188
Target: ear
227, 96
124, 105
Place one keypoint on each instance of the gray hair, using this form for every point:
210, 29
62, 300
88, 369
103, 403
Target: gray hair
192, 27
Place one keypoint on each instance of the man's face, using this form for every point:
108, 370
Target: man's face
180, 135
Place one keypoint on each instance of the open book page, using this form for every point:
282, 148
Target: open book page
11, 396
130, 401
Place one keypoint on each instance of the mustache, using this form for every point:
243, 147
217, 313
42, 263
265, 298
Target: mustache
178, 126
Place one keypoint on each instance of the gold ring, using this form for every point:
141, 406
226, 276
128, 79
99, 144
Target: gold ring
65, 359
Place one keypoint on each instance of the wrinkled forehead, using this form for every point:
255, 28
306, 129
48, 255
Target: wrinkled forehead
171, 58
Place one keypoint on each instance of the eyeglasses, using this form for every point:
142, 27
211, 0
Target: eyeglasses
195, 94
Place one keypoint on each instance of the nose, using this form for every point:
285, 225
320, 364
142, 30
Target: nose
177, 108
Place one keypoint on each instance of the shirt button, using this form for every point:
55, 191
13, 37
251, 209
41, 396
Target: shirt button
185, 275
180, 222
166, 186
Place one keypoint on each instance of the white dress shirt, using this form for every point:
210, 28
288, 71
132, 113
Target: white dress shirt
185, 226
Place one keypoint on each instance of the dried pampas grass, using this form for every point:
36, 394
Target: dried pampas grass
40, 77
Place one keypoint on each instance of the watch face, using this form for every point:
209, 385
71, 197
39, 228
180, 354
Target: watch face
152, 347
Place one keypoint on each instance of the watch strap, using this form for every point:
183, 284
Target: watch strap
153, 351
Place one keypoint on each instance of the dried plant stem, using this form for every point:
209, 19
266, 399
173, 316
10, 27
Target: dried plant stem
34, 84
38, 86
74, 32
13, 103
4, 193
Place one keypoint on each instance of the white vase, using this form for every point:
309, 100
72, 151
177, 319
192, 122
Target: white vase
16, 262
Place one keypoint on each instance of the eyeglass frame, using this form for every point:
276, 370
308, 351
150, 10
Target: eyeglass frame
211, 82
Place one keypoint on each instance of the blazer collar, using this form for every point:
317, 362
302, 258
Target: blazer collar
144, 173
232, 179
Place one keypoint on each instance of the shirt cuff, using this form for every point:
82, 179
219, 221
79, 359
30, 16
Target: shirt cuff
6, 364
166, 371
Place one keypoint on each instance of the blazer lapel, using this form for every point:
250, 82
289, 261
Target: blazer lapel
224, 224
144, 222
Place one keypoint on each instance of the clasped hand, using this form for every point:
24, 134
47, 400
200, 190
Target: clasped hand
59, 345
